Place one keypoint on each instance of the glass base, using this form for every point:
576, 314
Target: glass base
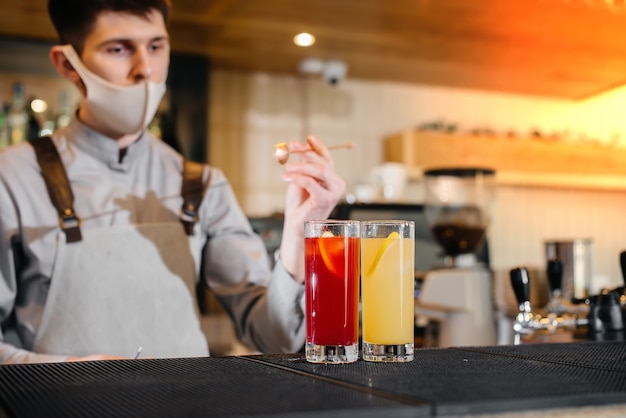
332, 353
396, 353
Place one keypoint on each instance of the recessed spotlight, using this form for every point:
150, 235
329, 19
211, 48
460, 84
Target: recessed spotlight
304, 39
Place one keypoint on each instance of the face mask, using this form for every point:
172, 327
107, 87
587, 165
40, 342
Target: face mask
115, 109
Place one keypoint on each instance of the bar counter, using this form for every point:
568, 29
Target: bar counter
542, 379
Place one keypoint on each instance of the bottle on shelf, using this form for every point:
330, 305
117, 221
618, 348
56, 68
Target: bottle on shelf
63, 119
47, 127
18, 117
33, 124
4, 126
46, 119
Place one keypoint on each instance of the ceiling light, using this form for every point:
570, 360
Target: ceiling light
304, 39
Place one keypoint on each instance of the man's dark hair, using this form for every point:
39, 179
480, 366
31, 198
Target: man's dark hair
74, 19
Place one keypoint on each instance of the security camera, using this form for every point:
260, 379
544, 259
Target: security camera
334, 72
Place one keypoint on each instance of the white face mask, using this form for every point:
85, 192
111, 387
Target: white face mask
115, 109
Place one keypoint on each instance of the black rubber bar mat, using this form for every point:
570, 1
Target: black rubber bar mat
490, 379
196, 387
597, 355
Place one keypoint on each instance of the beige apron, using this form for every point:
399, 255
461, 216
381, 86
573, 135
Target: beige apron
122, 287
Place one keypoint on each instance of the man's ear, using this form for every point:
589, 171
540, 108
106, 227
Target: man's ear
62, 65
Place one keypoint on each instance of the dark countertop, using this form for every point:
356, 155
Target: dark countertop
468, 381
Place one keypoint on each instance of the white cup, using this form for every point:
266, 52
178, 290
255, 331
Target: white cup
391, 178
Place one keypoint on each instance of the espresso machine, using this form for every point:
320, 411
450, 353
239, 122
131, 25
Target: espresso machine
457, 294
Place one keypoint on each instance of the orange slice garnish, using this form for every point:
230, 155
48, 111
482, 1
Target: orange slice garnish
331, 250
391, 238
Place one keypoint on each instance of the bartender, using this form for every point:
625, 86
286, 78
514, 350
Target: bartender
105, 230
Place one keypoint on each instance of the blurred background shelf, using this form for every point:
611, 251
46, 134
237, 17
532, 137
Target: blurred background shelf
517, 161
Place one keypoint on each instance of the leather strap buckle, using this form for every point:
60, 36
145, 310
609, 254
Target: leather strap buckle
70, 224
69, 220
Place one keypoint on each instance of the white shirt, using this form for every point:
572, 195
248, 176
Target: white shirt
144, 186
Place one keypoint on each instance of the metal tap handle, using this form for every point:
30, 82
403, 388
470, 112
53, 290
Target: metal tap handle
521, 284
622, 263
621, 290
605, 320
555, 274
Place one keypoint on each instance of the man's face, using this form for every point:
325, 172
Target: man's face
125, 49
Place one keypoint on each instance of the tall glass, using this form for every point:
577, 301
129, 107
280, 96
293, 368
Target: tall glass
332, 265
387, 280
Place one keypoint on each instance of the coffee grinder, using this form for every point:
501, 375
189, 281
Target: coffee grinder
458, 204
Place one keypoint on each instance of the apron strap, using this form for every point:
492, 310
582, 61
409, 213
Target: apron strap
58, 186
192, 192
60, 191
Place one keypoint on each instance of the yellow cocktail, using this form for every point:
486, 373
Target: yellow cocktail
387, 286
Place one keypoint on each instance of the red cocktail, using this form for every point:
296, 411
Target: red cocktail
332, 269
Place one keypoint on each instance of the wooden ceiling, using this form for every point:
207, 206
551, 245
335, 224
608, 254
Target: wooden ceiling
570, 49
